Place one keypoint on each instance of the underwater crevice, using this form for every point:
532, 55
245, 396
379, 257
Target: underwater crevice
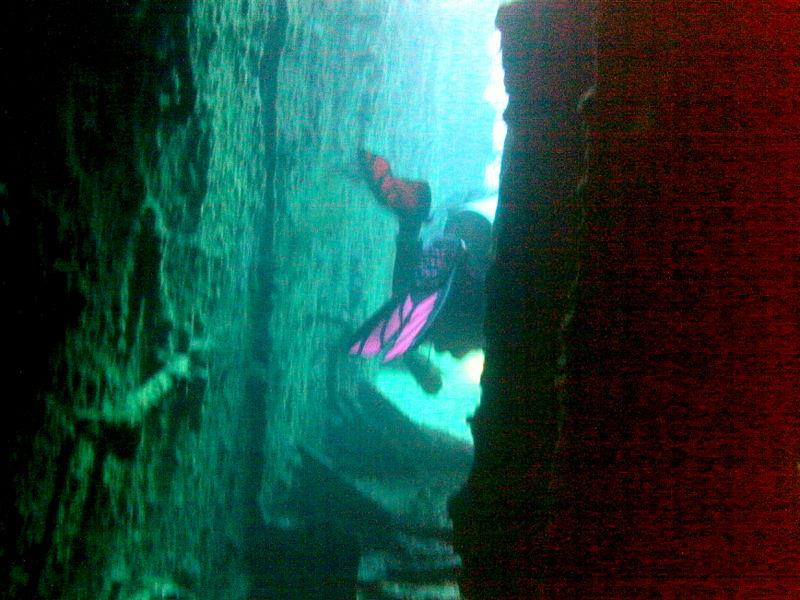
144, 298
257, 386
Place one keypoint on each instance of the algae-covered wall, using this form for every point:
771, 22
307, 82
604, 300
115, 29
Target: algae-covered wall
128, 477
347, 79
192, 240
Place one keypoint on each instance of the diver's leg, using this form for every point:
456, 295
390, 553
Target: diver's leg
410, 201
407, 255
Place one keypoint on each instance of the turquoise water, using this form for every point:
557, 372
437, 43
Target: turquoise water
446, 410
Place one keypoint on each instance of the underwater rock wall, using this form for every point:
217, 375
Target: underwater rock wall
655, 453
111, 368
351, 76
501, 515
192, 240
679, 469
135, 200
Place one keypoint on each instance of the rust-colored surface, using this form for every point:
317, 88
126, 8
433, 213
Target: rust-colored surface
673, 438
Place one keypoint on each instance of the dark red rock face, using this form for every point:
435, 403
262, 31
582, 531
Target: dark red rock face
662, 461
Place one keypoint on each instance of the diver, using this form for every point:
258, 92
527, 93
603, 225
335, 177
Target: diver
437, 289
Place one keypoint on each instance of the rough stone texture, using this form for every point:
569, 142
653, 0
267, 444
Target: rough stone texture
502, 512
188, 242
663, 463
685, 345
95, 101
